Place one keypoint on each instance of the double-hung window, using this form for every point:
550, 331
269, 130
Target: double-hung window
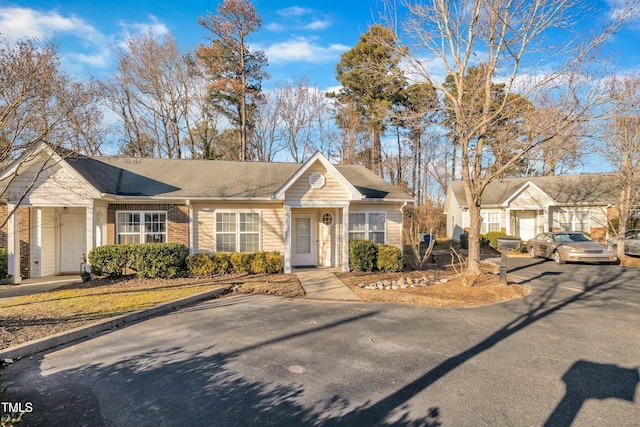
367, 226
141, 226
237, 232
574, 220
490, 222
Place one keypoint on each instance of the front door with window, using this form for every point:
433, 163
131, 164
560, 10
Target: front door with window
72, 241
303, 240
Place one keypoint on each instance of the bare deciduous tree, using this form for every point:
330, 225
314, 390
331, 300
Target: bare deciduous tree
39, 104
304, 118
621, 146
155, 93
511, 38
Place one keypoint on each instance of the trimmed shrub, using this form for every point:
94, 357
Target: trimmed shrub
159, 260
201, 264
258, 263
4, 263
110, 260
241, 262
492, 238
274, 262
362, 255
222, 262
464, 241
389, 259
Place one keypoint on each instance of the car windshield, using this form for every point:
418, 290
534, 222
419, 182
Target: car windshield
572, 237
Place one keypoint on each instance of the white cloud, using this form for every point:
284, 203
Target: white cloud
19, 22
154, 26
273, 26
295, 11
318, 25
302, 50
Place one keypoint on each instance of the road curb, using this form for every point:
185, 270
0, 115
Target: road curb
47, 343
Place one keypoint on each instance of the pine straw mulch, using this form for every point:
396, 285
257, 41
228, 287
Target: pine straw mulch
478, 290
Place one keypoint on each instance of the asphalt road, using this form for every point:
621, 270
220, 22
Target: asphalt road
568, 354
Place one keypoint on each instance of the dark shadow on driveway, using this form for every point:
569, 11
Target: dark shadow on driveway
204, 389
588, 380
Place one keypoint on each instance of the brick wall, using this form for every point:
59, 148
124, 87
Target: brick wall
177, 220
3, 230
25, 242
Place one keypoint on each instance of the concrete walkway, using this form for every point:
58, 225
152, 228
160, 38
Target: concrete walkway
37, 285
322, 283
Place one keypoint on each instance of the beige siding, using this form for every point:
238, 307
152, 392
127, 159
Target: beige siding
36, 239
530, 198
272, 226
48, 258
203, 229
332, 189
54, 186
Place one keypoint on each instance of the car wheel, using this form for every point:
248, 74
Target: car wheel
557, 258
532, 252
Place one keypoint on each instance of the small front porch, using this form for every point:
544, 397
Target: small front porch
316, 237
44, 241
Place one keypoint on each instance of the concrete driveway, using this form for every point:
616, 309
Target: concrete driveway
568, 354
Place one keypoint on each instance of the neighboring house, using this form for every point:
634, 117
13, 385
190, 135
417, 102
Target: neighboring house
524, 207
308, 211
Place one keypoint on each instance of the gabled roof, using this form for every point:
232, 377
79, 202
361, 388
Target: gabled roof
585, 189
215, 179
354, 194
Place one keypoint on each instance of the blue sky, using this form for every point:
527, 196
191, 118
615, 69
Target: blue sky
299, 38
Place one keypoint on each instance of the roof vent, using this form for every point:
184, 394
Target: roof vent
316, 180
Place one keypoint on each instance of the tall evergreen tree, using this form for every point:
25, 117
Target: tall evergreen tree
372, 81
234, 70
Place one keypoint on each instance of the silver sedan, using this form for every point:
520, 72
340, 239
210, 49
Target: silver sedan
631, 242
570, 247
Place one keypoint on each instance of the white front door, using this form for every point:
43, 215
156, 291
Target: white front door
303, 239
72, 241
526, 225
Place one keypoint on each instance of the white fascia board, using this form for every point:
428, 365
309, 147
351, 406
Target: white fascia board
317, 204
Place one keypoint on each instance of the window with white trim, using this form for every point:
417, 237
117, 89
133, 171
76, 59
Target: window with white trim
238, 231
141, 226
574, 220
367, 226
490, 222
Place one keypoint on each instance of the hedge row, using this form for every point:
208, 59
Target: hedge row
4, 263
149, 260
365, 255
170, 260
207, 264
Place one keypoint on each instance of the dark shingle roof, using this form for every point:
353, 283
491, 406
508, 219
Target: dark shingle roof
586, 189
213, 179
